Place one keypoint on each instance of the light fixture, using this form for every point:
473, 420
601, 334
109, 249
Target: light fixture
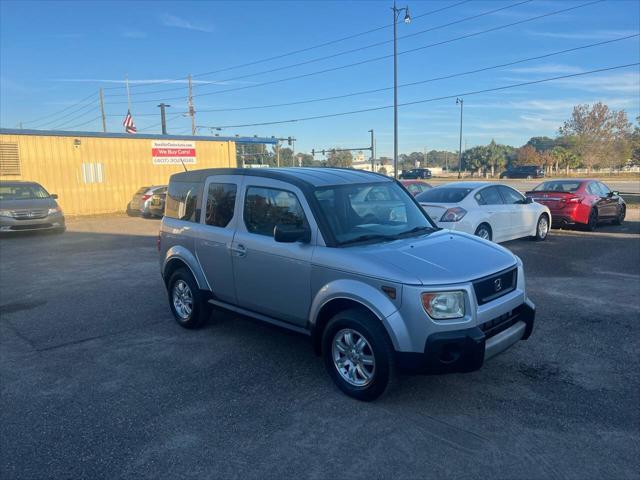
407, 17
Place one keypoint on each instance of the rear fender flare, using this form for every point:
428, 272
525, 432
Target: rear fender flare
178, 253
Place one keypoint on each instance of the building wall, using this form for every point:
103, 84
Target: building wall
62, 167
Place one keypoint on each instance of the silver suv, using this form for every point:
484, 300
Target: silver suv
347, 258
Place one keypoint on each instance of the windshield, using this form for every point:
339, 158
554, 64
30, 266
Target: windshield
23, 191
371, 212
443, 195
558, 186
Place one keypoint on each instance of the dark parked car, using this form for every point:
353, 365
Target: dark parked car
584, 202
156, 207
523, 171
28, 206
141, 201
416, 173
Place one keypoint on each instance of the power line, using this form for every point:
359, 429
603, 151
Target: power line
85, 109
341, 67
344, 52
463, 94
302, 50
172, 117
80, 124
37, 120
433, 79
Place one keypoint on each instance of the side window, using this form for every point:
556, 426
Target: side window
510, 196
479, 199
221, 202
264, 208
182, 200
604, 190
592, 188
491, 196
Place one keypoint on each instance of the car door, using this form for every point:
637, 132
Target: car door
273, 278
609, 202
522, 215
495, 212
215, 234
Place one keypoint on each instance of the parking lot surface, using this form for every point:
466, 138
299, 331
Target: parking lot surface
98, 381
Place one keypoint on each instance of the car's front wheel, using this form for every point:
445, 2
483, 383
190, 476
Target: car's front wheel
542, 228
358, 354
188, 305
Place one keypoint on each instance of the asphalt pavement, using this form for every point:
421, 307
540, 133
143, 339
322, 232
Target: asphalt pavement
98, 381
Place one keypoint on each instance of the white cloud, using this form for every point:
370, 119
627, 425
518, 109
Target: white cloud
628, 82
169, 20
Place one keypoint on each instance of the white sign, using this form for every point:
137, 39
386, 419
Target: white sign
170, 152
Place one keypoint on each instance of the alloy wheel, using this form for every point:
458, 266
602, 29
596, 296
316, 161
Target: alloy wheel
182, 299
543, 227
353, 357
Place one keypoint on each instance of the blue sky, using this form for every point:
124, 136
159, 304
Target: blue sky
54, 54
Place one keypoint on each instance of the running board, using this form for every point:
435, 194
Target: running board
259, 316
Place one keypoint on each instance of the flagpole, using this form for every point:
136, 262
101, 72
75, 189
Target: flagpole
126, 81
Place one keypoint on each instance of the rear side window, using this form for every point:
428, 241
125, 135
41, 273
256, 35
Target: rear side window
182, 200
510, 196
444, 195
221, 203
491, 196
264, 208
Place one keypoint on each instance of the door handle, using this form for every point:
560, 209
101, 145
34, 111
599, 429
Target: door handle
239, 250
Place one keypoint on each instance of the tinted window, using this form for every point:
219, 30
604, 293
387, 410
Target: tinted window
510, 196
221, 202
603, 189
491, 196
264, 208
558, 186
182, 199
443, 195
592, 188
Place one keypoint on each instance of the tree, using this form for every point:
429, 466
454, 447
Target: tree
495, 157
527, 155
339, 159
564, 158
635, 144
306, 160
600, 134
475, 159
382, 170
542, 144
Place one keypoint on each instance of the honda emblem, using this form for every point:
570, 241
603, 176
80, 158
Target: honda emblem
497, 284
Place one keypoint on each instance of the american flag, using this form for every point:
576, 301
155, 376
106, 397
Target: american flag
129, 126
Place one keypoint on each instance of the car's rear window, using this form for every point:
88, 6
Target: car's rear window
568, 186
443, 195
182, 200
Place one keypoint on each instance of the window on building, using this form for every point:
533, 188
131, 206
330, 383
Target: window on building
221, 202
181, 201
9, 159
264, 208
92, 173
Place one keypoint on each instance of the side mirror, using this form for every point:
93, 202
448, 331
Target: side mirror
615, 193
291, 233
527, 200
54, 196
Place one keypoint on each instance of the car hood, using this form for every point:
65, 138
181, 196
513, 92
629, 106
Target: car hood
442, 258
32, 203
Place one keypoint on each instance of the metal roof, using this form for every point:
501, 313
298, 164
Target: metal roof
314, 177
63, 133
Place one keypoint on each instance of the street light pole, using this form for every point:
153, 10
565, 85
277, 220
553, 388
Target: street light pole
407, 19
461, 102
373, 153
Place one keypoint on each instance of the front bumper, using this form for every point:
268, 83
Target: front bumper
466, 350
50, 222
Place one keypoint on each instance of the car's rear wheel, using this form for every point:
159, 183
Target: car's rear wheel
188, 305
484, 231
358, 354
592, 223
542, 228
621, 214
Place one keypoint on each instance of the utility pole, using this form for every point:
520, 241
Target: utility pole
163, 117
192, 110
373, 152
407, 19
126, 81
461, 102
278, 153
104, 117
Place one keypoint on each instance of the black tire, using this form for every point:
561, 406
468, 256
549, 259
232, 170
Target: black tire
484, 227
379, 346
542, 231
200, 309
621, 214
592, 223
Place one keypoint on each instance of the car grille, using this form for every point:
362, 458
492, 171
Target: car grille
29, 214
496, 285
501, 323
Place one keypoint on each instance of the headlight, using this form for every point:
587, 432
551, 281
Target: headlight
5, 213
54, 210
444, 305
454, 214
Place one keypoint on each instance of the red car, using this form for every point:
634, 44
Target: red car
415, 186
583, 202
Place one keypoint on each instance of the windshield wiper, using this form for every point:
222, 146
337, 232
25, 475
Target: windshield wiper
415, 230
364, 238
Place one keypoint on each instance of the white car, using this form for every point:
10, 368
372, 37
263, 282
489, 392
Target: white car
488, 210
